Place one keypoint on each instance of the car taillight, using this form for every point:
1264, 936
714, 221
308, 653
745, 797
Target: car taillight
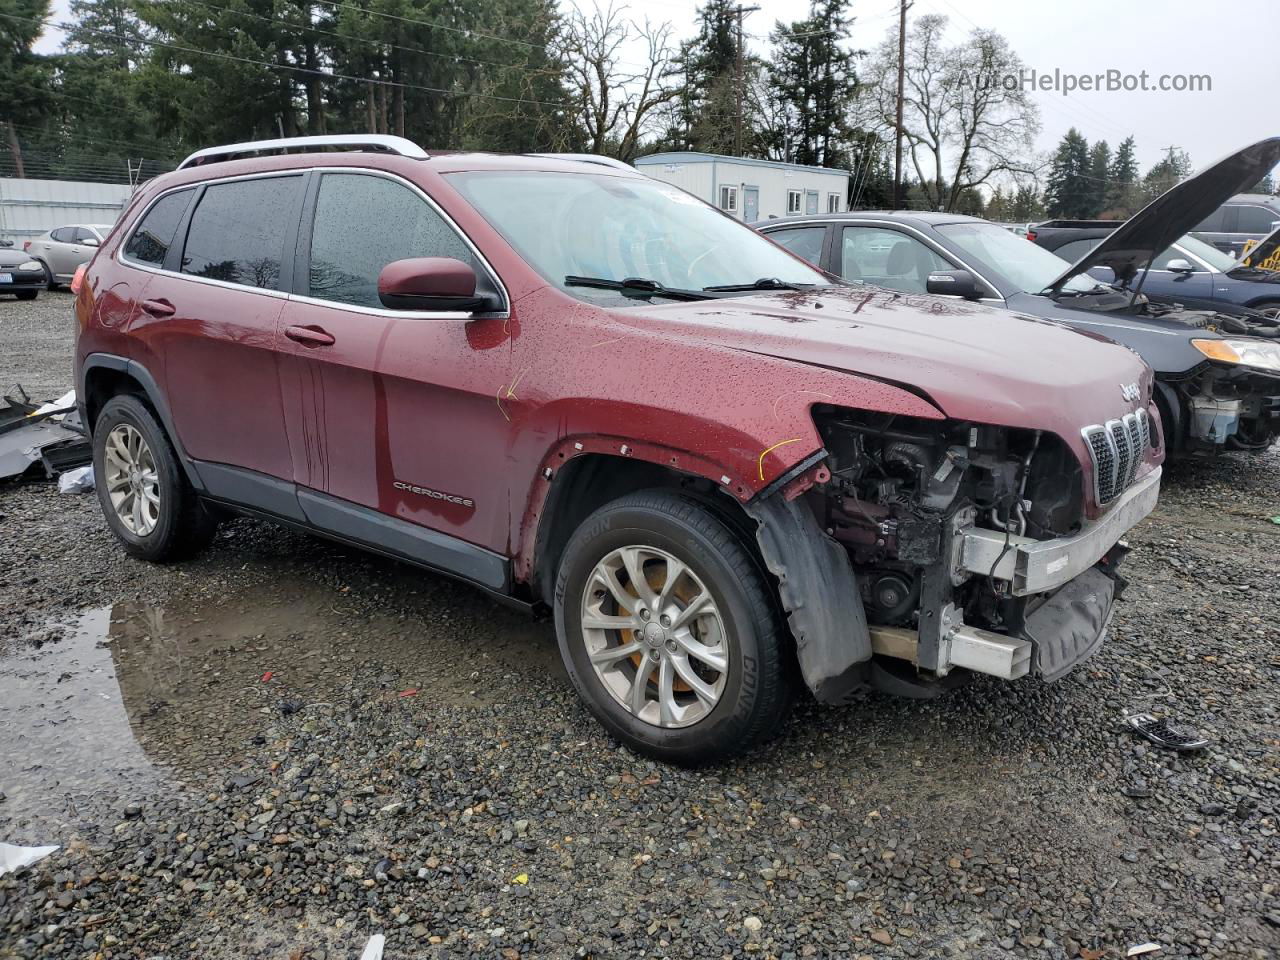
26, 245
1031, 235
77, 281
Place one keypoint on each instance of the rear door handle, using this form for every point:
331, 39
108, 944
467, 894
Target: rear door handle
158, 308
309, 336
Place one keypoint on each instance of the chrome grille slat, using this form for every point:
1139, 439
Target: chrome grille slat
1117, 448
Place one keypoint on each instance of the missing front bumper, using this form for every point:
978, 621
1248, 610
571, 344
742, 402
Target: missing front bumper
1038, 566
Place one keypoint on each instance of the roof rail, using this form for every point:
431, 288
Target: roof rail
587, 158
375, 142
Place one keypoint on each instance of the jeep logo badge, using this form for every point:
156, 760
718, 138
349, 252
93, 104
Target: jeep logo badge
1130, 391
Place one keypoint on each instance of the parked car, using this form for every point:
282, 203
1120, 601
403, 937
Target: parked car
61, 250
1190, 271
19, 274
584, 390
1217, 370
1242, 218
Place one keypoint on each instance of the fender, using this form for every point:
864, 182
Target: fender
140, 374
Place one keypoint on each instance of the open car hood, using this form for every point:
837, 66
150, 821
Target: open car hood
1175, 212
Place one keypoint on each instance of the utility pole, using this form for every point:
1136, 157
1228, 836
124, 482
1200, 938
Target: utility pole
903, 6
739, 12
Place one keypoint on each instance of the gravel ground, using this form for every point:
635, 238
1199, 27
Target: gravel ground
285, 746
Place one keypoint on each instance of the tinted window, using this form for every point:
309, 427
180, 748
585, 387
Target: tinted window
887, 258
237, 231
1073, 251
64, 234
153, 235
806, 242
362, 223
1256, 220
1213, 222
84, 233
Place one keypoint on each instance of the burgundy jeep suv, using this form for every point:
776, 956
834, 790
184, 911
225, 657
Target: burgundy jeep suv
727, 474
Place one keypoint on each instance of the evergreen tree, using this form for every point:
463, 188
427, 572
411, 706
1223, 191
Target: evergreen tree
1099, 175
1168, 171
815, 79
26, 83
1123, 194
1068, 193
707, 112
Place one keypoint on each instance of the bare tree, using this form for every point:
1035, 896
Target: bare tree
616, 102
966, 117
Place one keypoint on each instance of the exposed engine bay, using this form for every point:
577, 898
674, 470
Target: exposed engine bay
902, 491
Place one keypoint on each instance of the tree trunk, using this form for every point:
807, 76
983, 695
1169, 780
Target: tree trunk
371, 105
15, 149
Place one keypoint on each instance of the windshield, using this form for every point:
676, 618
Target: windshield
617, 228
1029, 267
1222, 262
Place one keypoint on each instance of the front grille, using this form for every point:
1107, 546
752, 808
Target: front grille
1117, 448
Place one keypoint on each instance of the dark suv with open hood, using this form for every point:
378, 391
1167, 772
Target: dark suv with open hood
583, 390
1217, 366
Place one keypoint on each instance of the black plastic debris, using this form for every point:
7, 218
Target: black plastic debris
1171, 736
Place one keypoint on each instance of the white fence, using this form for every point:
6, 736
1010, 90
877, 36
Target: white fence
30, 207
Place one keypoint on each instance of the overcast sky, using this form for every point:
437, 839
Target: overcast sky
1082, 37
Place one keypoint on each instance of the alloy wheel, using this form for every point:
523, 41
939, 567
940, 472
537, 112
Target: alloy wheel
655, 636
132, 481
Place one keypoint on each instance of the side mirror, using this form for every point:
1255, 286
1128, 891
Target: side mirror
1180, 266
6, 243
953, 283
91, 242
431, 283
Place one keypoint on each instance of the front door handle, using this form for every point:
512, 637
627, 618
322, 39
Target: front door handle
309, 336
158, 308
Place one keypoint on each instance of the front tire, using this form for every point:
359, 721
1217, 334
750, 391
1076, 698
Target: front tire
26, 294
669, 630
145, 496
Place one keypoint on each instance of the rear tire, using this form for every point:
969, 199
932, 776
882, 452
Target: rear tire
145, 496
704, 675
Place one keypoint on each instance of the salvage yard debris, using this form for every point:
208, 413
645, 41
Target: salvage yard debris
50, 434
1171, 736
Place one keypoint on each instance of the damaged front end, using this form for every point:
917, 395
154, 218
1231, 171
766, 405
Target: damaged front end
938, 549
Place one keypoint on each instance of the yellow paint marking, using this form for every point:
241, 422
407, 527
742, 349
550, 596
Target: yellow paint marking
773, 448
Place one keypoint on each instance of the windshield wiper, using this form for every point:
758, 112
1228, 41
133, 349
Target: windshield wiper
637, 287
764, 283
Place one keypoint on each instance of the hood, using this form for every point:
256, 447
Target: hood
973, 362
1176, 211
12, 256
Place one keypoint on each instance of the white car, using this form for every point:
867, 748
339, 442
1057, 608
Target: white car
63, 249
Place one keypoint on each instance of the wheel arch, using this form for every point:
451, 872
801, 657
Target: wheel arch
105, 375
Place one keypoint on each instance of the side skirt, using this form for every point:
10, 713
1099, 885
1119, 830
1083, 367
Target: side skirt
255, 494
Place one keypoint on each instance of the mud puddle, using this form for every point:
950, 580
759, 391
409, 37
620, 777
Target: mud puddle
134, 698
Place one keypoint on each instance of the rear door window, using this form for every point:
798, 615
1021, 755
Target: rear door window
153, 235
1255, 219
238, 231
362, 223
804, 242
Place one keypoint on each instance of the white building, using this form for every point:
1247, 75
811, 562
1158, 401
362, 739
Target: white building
751, 189
30, 207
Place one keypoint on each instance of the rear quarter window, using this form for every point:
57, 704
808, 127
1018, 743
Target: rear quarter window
238, 231
150, 241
